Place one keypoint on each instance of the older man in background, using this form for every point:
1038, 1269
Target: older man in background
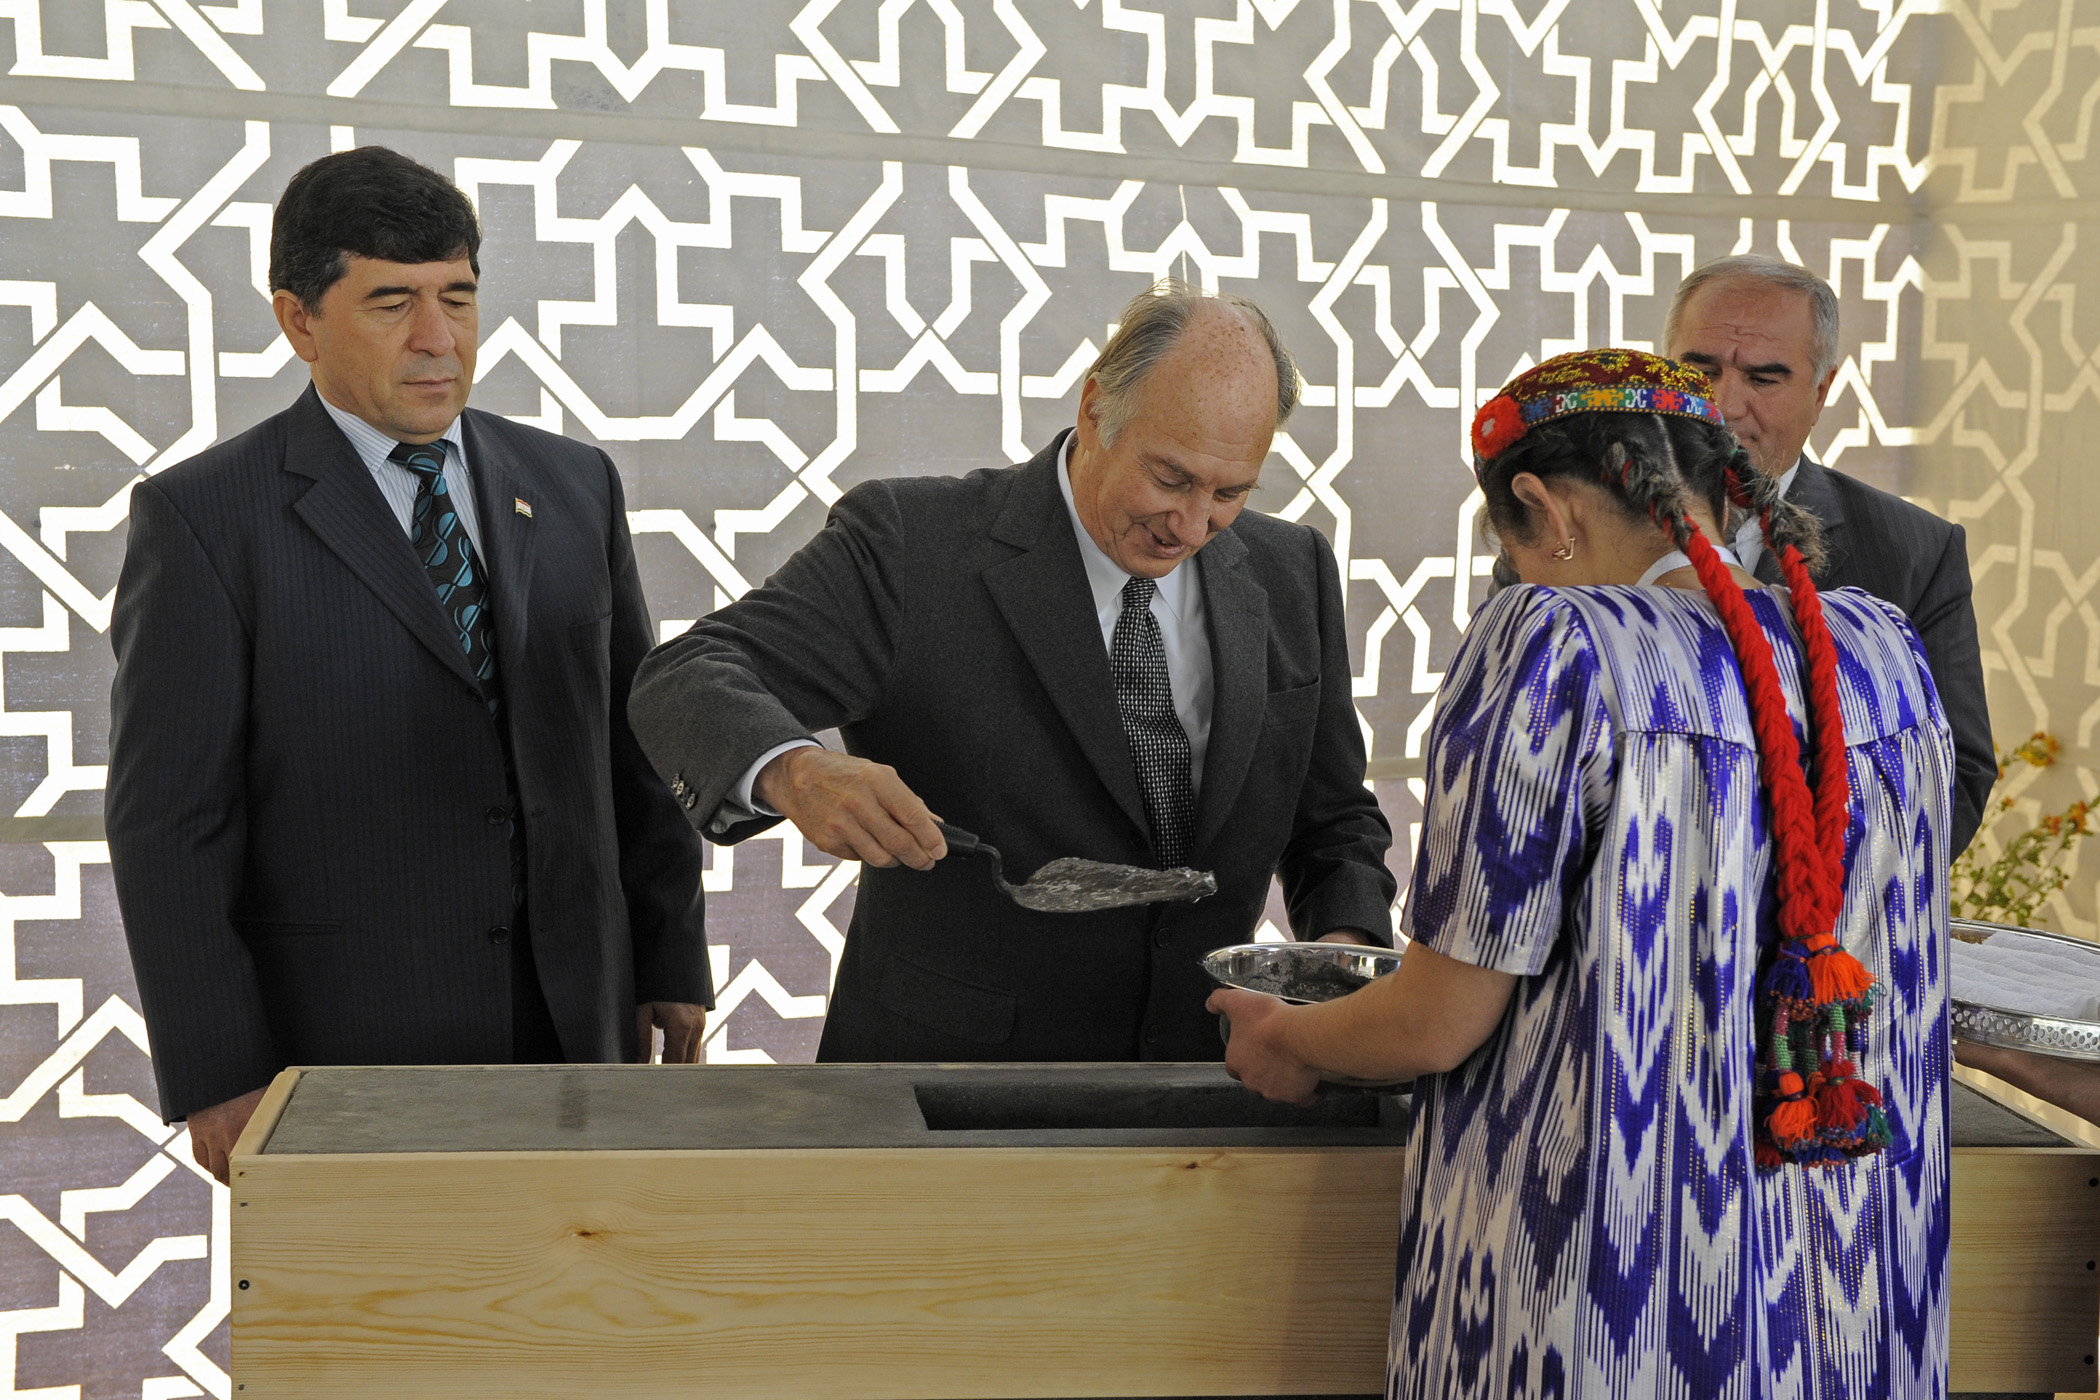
1766, 333
1098, 653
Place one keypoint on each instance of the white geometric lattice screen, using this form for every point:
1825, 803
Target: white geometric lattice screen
763, 251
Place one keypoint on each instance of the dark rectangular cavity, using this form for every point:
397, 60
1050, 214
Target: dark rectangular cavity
595, 1108
963, 1106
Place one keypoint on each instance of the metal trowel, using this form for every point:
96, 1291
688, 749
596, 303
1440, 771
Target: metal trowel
1070, 885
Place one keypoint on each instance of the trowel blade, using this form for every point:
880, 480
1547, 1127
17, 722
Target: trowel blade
1070, 885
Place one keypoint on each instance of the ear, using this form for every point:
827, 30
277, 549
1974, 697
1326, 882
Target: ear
1088, 429
1547, 505
1823, 388
294, 320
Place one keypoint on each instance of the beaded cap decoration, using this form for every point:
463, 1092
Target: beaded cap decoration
1590, 381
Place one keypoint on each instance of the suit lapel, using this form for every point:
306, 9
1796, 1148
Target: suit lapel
1238, 609
345, 509
1813, 492
501, 480
1044, 596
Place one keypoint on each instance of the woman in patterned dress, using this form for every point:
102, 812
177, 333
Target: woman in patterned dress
1667, 1140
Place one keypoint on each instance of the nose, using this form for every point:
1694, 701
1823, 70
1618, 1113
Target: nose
1730, 396
1191, 525
430, 330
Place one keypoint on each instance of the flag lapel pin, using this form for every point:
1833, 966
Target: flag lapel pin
524, 506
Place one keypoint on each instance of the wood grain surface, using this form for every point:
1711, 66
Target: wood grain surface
2026, 1294
858, 1274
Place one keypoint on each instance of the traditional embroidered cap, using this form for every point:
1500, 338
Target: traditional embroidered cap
1590, 381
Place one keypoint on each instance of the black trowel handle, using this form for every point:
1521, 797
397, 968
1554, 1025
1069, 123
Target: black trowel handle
962, 843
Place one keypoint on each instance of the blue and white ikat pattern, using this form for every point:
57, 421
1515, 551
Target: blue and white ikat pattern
1584, 1218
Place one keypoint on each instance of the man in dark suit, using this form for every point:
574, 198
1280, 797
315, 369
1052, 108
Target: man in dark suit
1766, 333
1097, 653
373, 797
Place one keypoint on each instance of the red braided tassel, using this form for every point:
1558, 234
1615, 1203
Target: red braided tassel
1833, 778
1803, 880
1834, 1116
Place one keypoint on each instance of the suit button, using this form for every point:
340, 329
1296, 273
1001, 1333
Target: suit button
498, 815
1152, 1036
499, 934
1162, 939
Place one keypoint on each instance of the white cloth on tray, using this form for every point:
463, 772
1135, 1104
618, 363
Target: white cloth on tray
2028, 976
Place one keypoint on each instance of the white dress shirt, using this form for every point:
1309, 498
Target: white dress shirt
1183, 625
1184, 632
1750, 535
399, 485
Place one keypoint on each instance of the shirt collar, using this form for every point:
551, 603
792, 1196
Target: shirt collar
1104, 574
373, 446
1786, 482
1750, 535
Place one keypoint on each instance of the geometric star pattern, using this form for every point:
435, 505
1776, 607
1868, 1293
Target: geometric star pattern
761, 252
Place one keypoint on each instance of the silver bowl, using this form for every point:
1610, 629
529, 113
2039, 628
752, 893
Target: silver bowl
1304, 973
1299, 972
2010, 1028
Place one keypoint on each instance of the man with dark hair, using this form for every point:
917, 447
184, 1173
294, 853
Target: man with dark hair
373, 798
1765, 332
1099, 653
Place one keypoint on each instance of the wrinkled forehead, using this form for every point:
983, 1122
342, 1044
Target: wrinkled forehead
1745, 322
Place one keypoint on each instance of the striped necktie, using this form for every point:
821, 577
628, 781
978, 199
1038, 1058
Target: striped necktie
1137, 659
440, 540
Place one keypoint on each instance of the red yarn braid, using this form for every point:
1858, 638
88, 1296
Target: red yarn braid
1816, 997
1807, 894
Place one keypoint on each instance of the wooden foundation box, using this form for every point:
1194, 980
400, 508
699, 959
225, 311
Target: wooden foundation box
902, 1232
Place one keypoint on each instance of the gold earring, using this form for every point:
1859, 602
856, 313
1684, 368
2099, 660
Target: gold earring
1566, 550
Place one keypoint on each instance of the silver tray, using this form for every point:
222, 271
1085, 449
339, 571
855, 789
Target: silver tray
1299, 972
1305, 973
2020, 1030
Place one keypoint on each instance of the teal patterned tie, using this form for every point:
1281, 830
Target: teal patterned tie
440, 540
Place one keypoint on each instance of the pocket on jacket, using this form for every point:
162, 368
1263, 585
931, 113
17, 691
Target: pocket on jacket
947, 1004
1288, 708
273, 928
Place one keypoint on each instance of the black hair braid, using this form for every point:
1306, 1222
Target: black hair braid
1641, 466
1784, 522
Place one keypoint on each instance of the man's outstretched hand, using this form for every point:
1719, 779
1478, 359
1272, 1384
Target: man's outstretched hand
851, 808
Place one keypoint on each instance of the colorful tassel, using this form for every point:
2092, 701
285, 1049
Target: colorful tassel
1838, 977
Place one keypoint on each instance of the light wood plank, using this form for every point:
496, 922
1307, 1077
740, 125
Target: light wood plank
2026, 1229
264, 1120
831, 1275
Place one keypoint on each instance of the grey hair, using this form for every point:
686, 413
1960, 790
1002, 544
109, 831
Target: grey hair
1151, 325
1771, 272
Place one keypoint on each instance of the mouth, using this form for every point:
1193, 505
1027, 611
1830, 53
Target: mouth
1164, 548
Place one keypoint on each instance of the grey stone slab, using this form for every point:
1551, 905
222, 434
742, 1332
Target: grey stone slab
585, 1108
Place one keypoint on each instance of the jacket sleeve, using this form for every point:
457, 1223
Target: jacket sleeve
1333, 868
176, 811
1946, 621
810, 649
660, 858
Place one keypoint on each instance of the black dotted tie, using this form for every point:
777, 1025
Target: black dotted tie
1138, 661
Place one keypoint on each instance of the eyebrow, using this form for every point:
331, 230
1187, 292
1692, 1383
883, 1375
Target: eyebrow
1777, 368
377, 292
1168, 464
